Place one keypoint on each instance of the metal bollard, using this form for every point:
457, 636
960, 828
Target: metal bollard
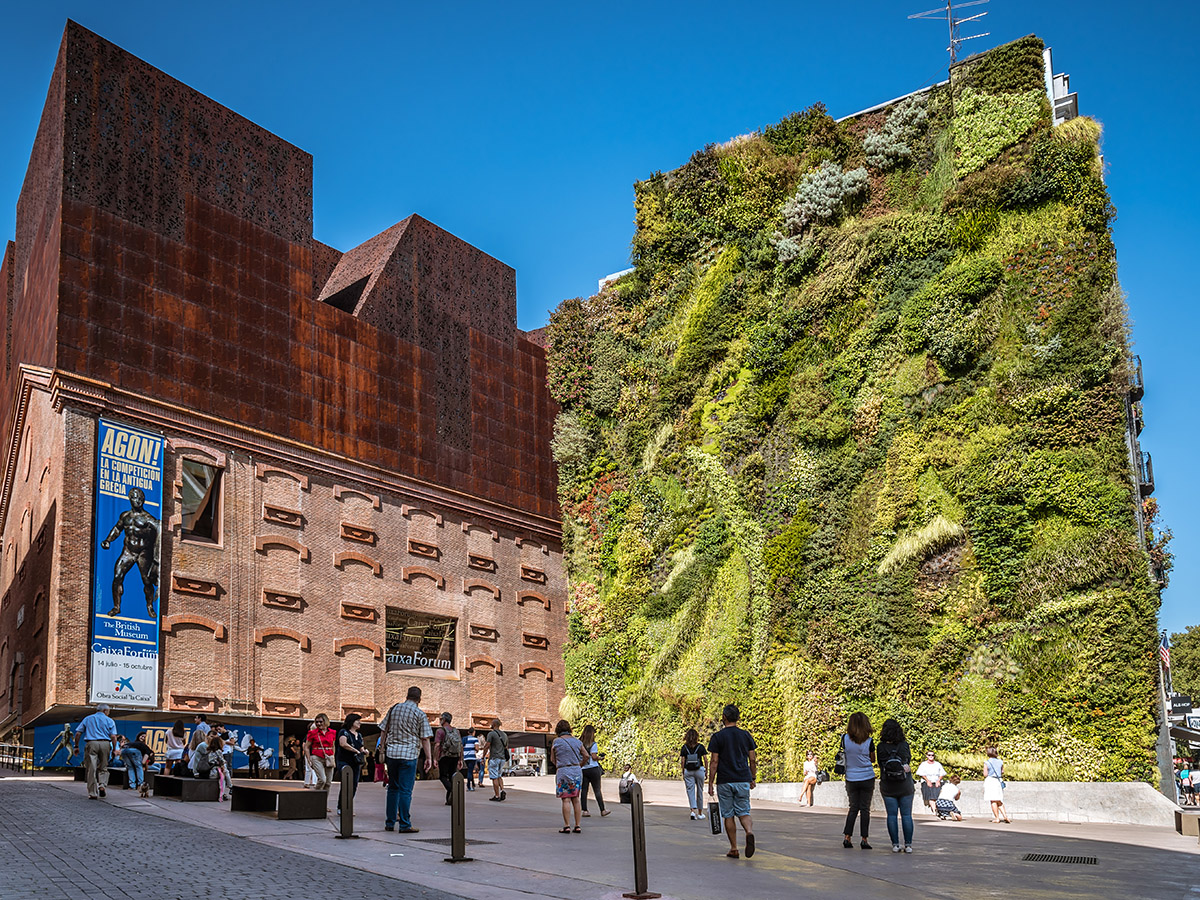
346, 800
458, 820
640, 880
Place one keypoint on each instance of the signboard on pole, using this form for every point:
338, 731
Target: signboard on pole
1181, 704
127, 537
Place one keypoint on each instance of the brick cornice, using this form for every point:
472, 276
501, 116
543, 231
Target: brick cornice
30, 377
340, 560
408, 573
341, 644
261, 635
218, 630
262, 542
534, 596
525, 668
99, 397
485, 660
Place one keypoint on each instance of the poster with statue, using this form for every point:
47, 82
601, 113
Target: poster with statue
127, 540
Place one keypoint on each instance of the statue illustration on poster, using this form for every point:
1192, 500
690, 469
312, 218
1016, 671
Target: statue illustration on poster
141, 549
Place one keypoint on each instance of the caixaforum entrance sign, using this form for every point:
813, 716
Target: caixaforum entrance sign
127, 537
419, 641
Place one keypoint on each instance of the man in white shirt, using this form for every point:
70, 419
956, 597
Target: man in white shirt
931, 774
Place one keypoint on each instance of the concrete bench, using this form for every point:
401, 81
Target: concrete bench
116, 777
284, 800
187, 790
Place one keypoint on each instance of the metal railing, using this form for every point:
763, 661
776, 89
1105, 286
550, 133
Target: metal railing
1146, 475
1136, 388
16, 756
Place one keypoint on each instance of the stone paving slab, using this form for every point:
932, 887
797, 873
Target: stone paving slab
800, 851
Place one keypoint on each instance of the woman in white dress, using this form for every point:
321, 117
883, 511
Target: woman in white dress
993, 785
810, 779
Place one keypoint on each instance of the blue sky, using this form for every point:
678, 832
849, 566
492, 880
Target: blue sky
521, 128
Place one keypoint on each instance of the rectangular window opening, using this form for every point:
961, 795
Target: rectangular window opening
416, 641
201, 500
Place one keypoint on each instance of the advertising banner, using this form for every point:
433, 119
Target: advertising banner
127, 535
419, 641
53, 744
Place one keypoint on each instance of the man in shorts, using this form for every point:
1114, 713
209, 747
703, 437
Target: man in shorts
733, 764
496, 752
931, 772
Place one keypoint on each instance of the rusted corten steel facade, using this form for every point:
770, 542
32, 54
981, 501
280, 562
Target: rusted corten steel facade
381, 426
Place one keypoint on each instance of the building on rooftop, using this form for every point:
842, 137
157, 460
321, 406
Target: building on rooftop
350, 451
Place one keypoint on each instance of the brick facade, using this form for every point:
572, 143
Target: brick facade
380, 424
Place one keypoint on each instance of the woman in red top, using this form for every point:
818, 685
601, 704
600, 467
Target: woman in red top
318, 747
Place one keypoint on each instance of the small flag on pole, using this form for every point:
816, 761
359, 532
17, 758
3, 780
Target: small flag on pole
1164, 651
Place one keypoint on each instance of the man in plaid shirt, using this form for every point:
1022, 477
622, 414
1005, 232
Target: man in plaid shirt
406, 733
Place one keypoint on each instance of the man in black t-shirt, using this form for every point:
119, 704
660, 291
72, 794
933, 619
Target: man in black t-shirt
734, 766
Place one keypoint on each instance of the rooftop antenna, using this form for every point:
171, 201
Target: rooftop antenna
947, 12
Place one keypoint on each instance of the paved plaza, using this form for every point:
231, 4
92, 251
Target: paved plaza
56, 843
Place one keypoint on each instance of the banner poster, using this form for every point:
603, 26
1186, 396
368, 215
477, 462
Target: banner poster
53, 745
127, 534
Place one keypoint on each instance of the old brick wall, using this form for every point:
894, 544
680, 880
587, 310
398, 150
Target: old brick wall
29, 613
290, 606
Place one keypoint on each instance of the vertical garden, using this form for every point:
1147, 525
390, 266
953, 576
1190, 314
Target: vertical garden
851, 436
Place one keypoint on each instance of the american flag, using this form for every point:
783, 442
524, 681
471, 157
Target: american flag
1164, 651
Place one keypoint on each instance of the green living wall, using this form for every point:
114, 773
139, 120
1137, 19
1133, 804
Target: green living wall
851, 436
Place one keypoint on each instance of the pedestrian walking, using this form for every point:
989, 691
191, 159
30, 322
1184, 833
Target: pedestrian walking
219, 764
136, 755
496, 750
568, 754
177, 741
98, 735
809, 784
931, 773
858, 751
947, 801
406, 732
691, 764
993, 785
254, 756
448, 751
350, 752
592, 772
734, 768
470, 756
896, 783
381, 761
319, 750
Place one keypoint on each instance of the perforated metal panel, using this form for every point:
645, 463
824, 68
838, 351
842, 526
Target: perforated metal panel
1049, 857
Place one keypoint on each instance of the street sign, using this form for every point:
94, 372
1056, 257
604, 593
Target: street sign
1181, 704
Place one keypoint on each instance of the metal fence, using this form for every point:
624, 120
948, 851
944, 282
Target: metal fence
16, 756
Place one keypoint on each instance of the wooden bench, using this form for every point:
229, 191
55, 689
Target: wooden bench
187, 790
283, 800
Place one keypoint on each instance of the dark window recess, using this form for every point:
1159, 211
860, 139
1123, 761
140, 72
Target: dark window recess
347, 298
201, 496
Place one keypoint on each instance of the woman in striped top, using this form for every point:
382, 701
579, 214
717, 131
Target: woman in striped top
470, 756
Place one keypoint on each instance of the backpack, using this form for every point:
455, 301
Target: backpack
451, 742
892, 769
691, 759
203, 761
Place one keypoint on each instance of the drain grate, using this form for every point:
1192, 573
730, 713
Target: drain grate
1049, 857
445, 842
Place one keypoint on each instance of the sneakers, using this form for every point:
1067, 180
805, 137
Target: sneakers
608, 812
895, 848
908, 848
504, 795
102, 793
409, 830
864, 845
389, 827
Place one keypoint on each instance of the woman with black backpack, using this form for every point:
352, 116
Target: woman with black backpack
691, 762
896, 782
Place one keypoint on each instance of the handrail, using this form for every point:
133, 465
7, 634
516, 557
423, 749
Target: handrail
16, 756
